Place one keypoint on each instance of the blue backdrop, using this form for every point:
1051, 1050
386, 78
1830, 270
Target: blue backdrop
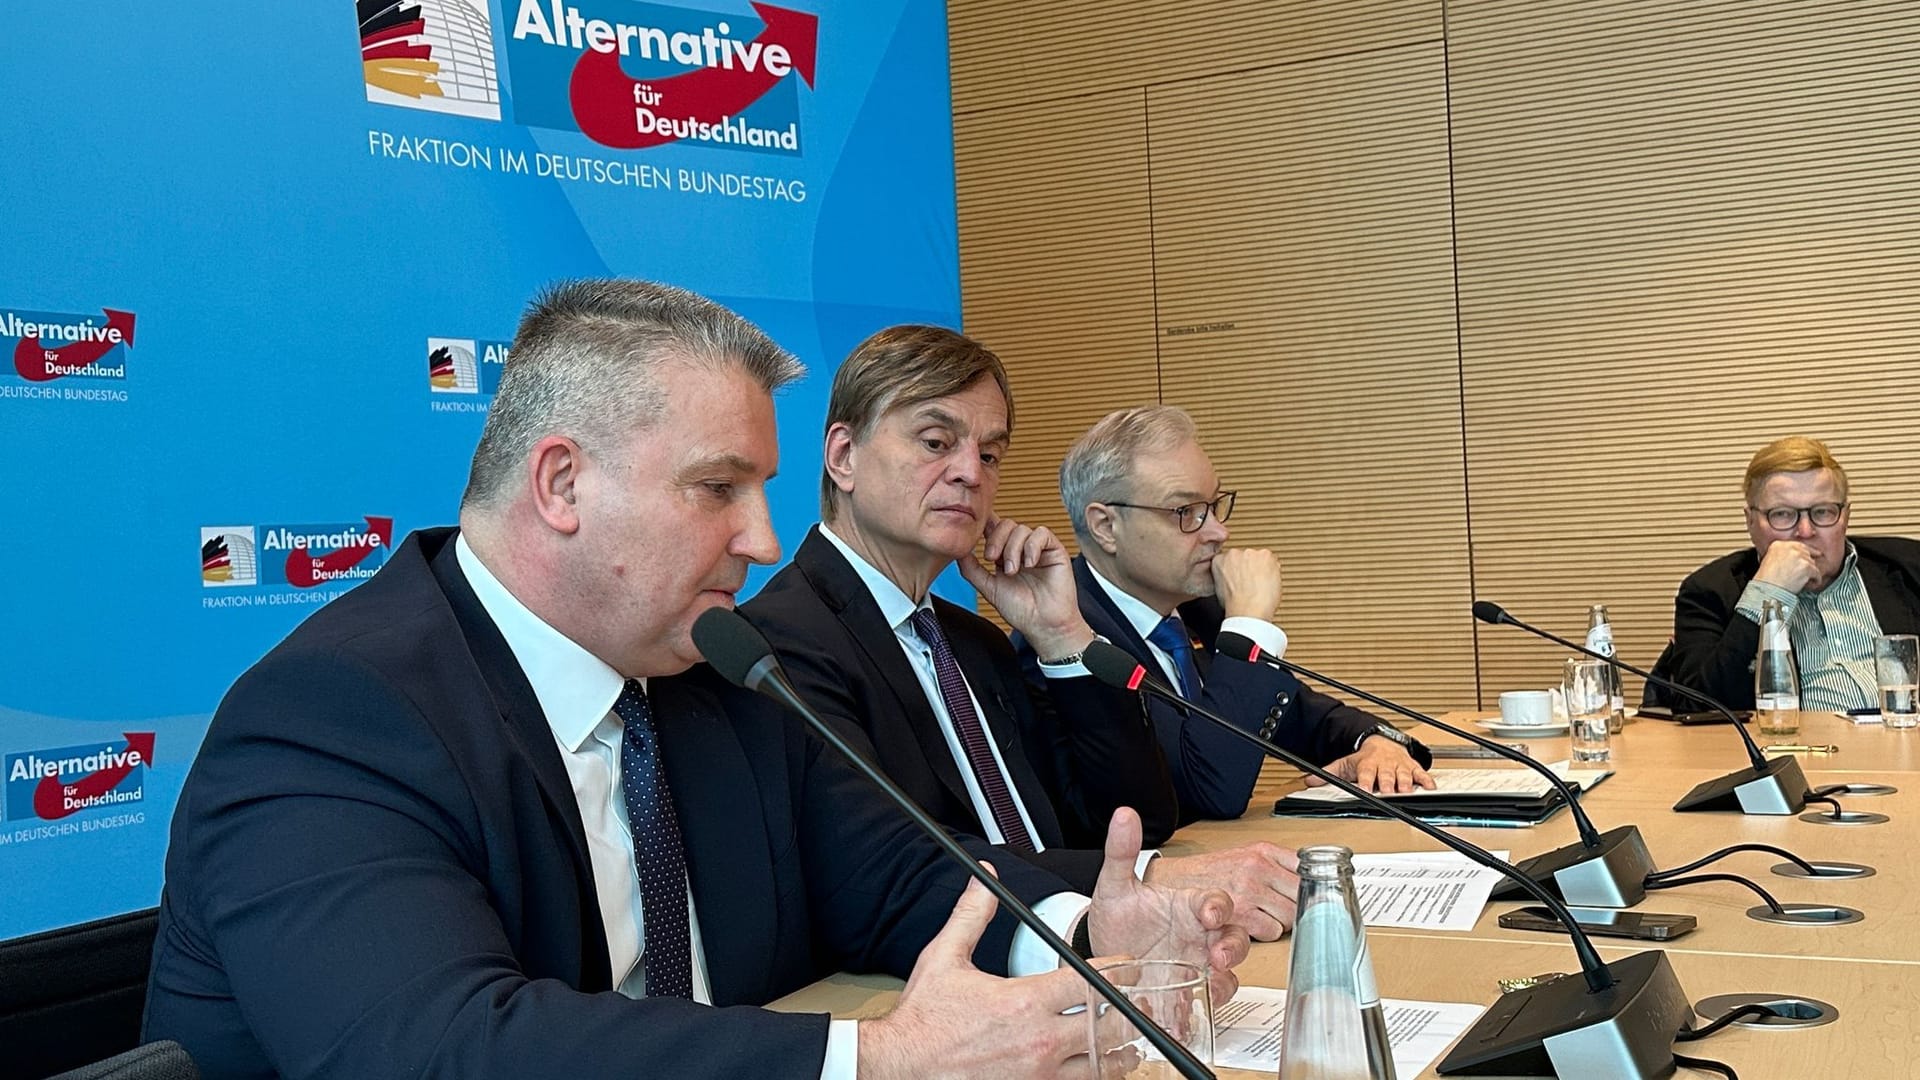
260, 270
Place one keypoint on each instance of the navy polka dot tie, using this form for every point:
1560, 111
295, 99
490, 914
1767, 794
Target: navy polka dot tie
657, 853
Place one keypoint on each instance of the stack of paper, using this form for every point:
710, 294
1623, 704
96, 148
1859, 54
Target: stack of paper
1247, 1030
1429, 890
1461, 797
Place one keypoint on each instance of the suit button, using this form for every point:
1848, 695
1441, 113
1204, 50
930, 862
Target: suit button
1281, 700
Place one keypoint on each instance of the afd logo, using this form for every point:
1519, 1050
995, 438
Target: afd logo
297, 557
435, 55
634, 75
465, 370
49, 345
66, 780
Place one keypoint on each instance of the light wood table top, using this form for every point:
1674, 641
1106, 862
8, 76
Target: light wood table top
1877, 1035
1870, 969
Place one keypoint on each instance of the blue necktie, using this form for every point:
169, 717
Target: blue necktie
1171, 636
657, 853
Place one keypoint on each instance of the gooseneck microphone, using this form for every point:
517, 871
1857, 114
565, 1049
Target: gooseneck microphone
741, 655
1768, 787
1618, 1022
1601, 870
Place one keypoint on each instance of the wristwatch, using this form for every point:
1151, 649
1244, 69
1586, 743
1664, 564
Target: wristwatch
1385, 731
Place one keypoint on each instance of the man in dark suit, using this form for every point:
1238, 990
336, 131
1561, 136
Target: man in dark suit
917, 423
1837, 594
487, 814
1156, 578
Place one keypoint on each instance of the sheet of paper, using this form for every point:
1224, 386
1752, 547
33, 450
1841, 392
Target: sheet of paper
1862, 718
1431, 890
1518, 782
1247, 1030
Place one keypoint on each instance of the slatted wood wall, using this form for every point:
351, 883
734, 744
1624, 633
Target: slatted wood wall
1483, 297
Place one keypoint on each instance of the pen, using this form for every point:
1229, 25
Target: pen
1796, 748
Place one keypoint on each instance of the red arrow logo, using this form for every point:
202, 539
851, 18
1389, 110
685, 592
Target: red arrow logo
51, 804
30, 358
604, 96
304, 571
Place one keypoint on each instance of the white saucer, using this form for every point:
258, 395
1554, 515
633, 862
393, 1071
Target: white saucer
1558, 727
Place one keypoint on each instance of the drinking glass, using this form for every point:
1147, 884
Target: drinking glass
1587, 687
1896, 667
1173, 994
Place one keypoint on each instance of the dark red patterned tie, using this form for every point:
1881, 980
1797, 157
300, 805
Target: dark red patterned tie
973, 738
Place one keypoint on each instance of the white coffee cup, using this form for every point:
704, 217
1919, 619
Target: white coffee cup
1526, 708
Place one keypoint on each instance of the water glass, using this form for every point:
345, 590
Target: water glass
1587, 687
1896, 667
1173, 994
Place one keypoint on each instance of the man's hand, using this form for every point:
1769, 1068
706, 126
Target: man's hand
1031, 585
1379, 765
1260, 878
954, 1020
1789, 565
1155, 922
1247, 581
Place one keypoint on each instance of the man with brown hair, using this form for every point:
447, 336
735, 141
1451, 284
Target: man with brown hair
1837, 593
917, 424
487, 814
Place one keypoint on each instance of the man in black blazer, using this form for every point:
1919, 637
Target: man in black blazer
1155, 577
1836, 593
918, 420
488, 816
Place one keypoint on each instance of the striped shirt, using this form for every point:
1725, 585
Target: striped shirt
1832, 632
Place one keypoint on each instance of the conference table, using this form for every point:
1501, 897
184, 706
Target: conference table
1868, 970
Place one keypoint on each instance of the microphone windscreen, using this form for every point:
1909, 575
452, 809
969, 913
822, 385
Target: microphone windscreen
1238, 646
1110, 663
1489, 612
730, 643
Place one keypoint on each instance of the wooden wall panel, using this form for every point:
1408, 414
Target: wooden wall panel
1301, 227
1677, 231
1057, 275
1684, 230
1018, 53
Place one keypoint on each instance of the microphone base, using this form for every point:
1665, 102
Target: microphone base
1780, 788
1614, 875
1562, 1029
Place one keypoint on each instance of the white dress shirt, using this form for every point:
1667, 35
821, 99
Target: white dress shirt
1144, 620
897, 608
576, 691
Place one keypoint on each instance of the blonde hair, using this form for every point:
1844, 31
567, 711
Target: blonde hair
1795, 453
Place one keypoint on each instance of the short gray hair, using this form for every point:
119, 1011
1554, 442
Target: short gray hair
1099, 467
583, 364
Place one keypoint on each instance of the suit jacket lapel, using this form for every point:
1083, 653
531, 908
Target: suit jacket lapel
729, 858
1203, 618
526, 727
836, 582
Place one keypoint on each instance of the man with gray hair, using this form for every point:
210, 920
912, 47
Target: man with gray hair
1155, 577
487, 814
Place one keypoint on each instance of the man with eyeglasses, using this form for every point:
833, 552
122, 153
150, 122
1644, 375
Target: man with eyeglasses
1156, 578
918, 421
1837, 594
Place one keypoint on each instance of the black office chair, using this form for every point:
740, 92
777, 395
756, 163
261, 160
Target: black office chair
153, 1061
74, 995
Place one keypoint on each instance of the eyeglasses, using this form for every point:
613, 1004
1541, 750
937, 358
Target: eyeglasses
1192, 517
1784, 518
